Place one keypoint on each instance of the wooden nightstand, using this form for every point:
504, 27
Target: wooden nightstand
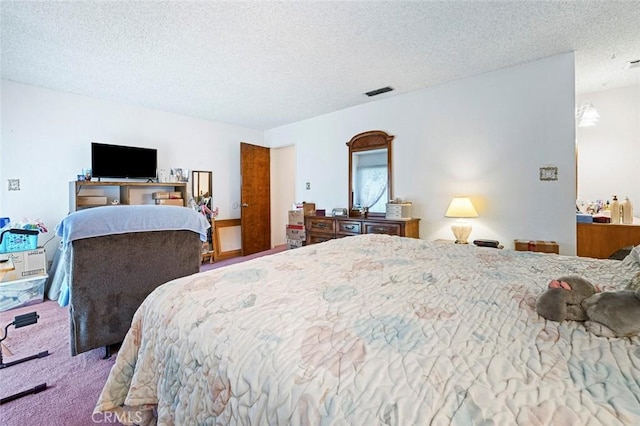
537, 246
442, 240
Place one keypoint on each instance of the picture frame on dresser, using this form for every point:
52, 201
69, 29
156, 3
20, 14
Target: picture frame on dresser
339, 212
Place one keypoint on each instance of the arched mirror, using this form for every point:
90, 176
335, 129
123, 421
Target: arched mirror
370, 185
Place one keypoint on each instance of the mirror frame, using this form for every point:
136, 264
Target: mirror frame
368, 141
196, 177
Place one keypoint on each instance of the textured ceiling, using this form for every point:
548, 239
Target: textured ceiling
266, 64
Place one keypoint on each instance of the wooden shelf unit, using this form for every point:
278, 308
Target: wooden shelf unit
87, 194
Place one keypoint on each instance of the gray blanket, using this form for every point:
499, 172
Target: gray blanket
111, 275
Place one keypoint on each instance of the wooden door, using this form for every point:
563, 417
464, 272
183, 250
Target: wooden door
255, 194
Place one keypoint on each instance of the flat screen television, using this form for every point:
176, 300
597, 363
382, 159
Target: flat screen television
116, 161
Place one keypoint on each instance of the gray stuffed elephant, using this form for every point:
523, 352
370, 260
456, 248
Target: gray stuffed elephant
562, 299
607, 314
613, 313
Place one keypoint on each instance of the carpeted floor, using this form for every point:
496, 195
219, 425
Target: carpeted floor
74, 383
218, 264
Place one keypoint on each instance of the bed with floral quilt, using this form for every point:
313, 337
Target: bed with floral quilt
375, 329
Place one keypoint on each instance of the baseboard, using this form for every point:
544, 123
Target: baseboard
228, 254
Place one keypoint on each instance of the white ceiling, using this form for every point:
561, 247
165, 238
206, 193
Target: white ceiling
265, 64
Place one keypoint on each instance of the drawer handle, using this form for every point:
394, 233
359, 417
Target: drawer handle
349, 227
322, 225
380, 229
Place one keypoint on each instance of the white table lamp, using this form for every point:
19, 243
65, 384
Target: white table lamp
461, 208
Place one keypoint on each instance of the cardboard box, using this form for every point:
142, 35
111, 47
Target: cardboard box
166, 195
296, 217
25, 292
92, 200
547, 247
26, 264
296, 232
309, 209
170, 202
295, 244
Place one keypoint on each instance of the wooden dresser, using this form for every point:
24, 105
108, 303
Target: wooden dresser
601, 240
323, 228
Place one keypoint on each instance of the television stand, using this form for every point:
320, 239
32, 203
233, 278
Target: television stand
87, 194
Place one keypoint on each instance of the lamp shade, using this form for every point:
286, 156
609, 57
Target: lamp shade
461, 207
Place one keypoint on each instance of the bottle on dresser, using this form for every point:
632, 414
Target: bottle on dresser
627, 211
615, 210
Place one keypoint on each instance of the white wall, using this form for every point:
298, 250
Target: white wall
485, 137
46, 140
609, 152
283, 191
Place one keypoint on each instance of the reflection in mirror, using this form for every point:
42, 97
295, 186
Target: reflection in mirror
201, 187
201, 190
370, 185
369, 179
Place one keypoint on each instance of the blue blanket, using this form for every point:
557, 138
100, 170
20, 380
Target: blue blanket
108, 220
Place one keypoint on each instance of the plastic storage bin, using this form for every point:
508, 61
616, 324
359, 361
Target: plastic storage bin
25, 292
12, 240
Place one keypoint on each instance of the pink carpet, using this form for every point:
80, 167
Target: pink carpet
208, 266
74, 383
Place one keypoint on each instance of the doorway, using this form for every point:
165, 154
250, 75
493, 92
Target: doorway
283, 194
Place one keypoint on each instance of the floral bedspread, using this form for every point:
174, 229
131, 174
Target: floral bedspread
375, 330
